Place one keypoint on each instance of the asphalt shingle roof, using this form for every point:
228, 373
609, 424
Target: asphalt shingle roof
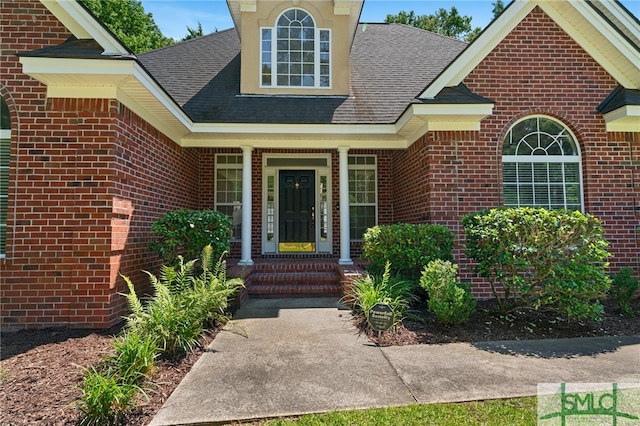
618, 98
390, 65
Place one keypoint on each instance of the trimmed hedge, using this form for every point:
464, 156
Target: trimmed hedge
186, 232
541, 258
407, 247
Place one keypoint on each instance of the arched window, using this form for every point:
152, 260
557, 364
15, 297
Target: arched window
300, 51
5, 152
541, 165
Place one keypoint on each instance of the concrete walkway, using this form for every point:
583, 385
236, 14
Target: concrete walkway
304, 356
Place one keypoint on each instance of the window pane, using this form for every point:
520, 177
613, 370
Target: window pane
526, 195
3, 210
540, 172
541, 194
525, 172
509, 172
362, 218
571, 173
555, 172
552, 184
510, 195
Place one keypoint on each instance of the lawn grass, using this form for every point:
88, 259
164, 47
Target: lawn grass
511, 412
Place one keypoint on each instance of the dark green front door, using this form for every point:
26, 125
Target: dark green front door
297, 207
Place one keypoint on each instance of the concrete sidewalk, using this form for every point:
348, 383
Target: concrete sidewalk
304, 356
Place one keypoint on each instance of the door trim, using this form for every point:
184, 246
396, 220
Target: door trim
320, 163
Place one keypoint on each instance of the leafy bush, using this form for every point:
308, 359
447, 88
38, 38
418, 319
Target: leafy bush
623, 287
369, 290
105, 397
540, 258
186, 232
449, 300
183, 304
408, 247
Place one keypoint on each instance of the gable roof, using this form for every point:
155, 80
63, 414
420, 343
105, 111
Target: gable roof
404, 81
390, 64
604, 29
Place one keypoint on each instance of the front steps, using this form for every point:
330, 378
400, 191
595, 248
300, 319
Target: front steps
287, 278
290, 278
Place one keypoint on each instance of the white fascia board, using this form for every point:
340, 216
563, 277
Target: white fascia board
99, 78
445, 113
70, 66
82, 92
289, 142
175, 133
82, 25
288, 129
622, 16
433, 111
150, 84
624, 119
480, 48
616, 40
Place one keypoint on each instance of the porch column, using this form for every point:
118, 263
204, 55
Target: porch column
345, 238
245, 255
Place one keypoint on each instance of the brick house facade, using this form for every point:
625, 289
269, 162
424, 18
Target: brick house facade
88, 175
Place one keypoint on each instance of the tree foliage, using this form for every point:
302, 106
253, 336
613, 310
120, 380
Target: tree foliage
194, 32
128, 20
498, 7
446, 22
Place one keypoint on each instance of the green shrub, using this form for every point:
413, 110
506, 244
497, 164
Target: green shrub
623, 287
369, 290
408, 247
105, 397
449, 300
186, 232
183, 303
540, 258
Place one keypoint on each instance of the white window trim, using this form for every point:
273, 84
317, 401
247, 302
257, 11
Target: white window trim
523, 159
274, 56
373, 167
5, 135
226, 166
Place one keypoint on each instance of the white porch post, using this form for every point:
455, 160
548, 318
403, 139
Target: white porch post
345, 238
245, 255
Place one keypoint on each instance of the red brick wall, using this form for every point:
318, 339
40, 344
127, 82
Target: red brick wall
537, 69
87, 179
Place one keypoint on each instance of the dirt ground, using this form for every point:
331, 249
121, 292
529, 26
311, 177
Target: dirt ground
41, 370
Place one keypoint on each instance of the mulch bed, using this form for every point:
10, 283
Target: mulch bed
41, 374
486, 324
41, 370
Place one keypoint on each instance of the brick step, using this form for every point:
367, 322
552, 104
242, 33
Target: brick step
286, 291
294, 278
291, 267
295, 283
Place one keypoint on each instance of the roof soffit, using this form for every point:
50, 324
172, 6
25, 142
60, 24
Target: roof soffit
613, 51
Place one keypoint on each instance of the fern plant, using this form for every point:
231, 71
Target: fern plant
183, 304
371, 289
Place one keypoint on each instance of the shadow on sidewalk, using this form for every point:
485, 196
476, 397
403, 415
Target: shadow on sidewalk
559, 348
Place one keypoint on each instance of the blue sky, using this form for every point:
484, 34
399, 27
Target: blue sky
173, 16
